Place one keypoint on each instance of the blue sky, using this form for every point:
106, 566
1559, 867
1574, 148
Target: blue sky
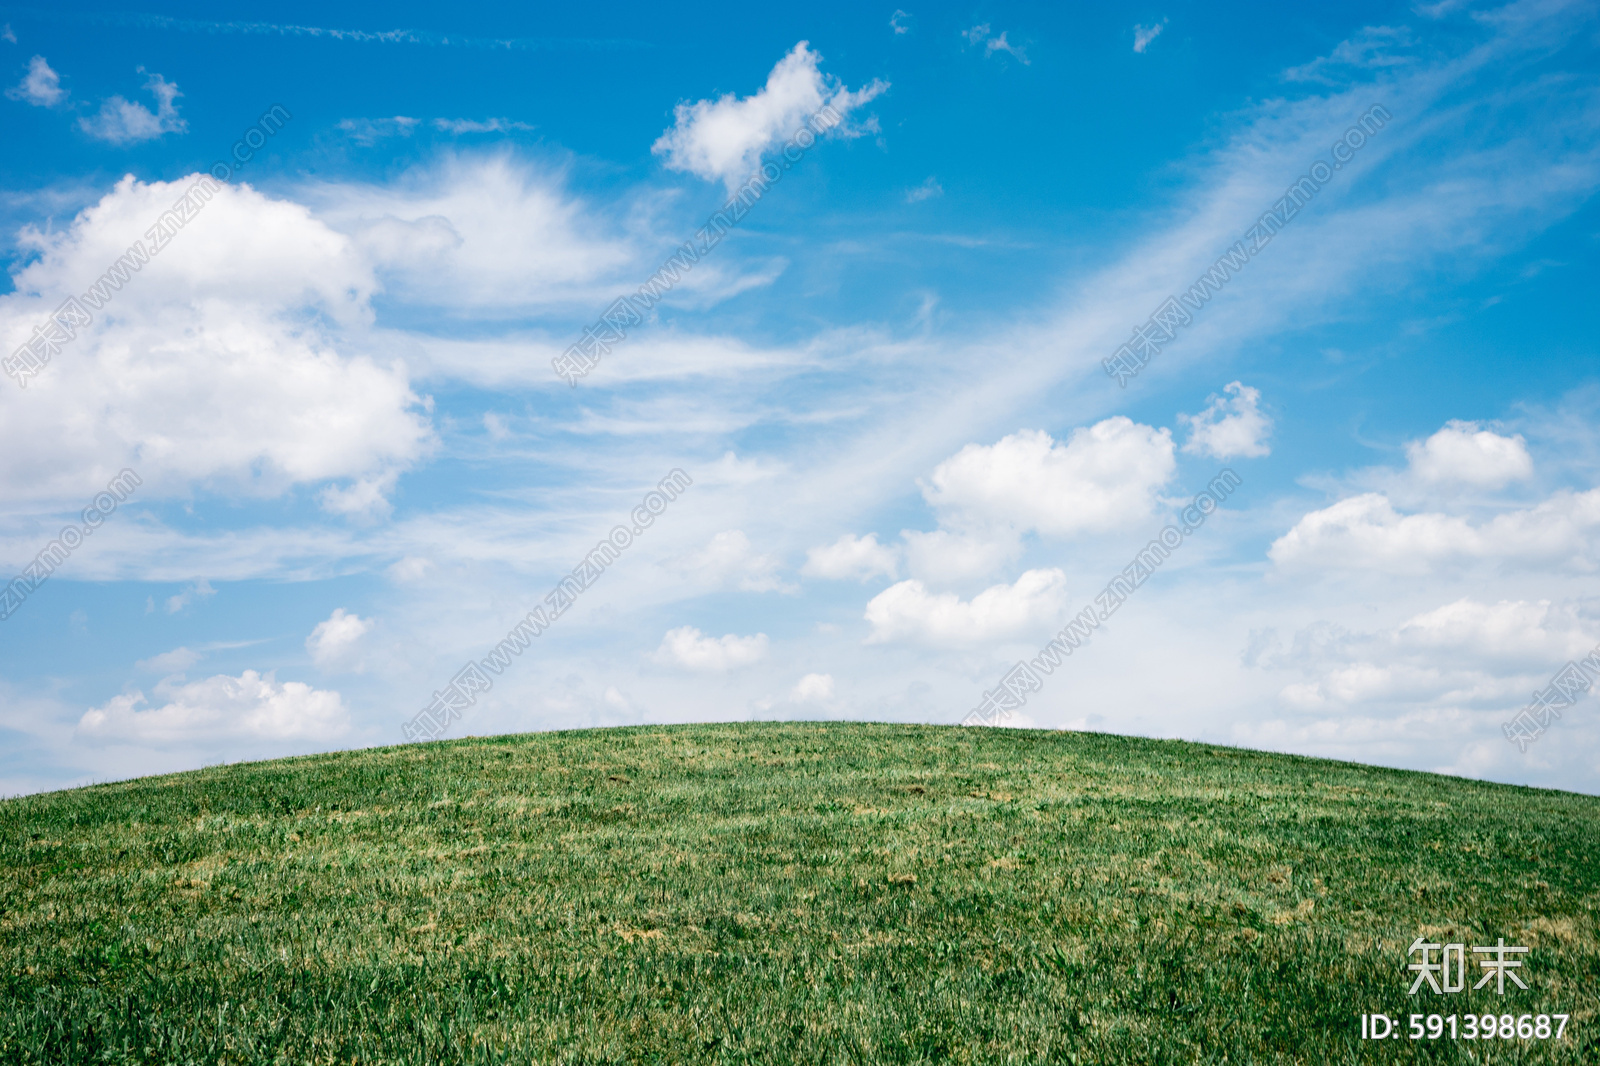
358, 468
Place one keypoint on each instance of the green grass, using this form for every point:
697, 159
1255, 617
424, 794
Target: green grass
782, 893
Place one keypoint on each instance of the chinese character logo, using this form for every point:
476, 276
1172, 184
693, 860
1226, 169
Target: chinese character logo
1499, 968
1449, 973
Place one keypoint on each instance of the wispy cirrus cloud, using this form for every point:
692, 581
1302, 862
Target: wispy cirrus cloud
993, 42
1143, 35
369, 131
1374, 48
459, 126
929, 189
427, 38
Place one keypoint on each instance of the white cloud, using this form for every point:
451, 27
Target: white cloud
1464, 655
993, 43
724, 139
1373, 48
900, 22
369, 131
211, 368
1230, 426
485, 236
942, 557
459, 126
1000, 44
40, 87
928, 190
199, 590
175, 661
909, 612
123, 122
852, 557
1104, 477
1512, 631
1143, 35
1366, 532
364, 498
1462, 453
333, 644
411, 568
691, 649
251, 706
7, 35
813, 688
730, 559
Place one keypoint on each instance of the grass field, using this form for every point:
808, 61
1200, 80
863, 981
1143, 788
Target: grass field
784, 893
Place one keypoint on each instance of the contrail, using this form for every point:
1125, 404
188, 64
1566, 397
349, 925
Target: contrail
273, 29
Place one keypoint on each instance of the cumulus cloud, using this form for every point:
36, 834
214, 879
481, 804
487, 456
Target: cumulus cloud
854, 557
1514, 632
724, 139
909, 612
813, 688
1231, 425
251, 706
1143, 35
1366, 532
1104, 477
1464, 655
121, 121
215, 369
690, 649
40, 87
1463, 453
335, 643
729, 559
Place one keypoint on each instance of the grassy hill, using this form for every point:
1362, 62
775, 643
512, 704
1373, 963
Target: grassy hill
783, 893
